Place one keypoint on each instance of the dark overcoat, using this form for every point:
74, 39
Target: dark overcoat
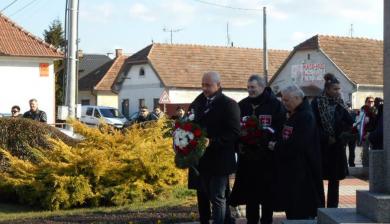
334, 157
221, 121
253, 182
299, 187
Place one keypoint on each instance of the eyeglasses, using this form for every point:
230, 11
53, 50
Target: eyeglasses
14, 111
143, 111
371, 101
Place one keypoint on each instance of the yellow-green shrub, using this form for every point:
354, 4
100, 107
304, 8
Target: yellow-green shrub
109, 167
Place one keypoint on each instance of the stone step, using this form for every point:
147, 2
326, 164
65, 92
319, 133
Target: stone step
299, 222
341, 215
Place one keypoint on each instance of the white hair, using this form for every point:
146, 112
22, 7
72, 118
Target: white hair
293, 90
33, 100
215, 76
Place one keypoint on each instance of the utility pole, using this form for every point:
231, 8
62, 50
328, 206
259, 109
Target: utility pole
228, 35
351, 30
265, 50
72, 58
172, 31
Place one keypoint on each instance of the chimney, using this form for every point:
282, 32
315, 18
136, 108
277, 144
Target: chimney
118, 52
80, 53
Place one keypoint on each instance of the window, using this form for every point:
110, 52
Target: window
85, 102
96, 113
110, 113
156, 102
126, 107
141, 103
89, 111
142, 72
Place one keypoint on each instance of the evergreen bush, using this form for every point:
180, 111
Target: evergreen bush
40, 166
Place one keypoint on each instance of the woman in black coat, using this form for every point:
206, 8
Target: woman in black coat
335, 124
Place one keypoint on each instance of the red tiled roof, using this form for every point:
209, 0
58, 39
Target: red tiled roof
106, 83
15, 41
184, 65
361, 59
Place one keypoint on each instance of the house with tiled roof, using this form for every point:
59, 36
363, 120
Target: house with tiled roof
95, 88
172, 73
356, 62
26, 69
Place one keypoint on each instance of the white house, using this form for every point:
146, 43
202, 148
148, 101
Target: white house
174, 72
95, 88
26, 69
356, 62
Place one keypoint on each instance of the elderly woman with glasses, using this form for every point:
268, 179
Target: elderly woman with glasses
15, 111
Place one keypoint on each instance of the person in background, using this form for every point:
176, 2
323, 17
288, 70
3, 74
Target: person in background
15, 112
143, 115
157, 113
179, 114
335, 125
352, 141
365, 123
34, 113
376, 136
366, 120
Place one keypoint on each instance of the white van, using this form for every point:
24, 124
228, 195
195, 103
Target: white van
93, 115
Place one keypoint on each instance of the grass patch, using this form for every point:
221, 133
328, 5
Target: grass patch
180, 197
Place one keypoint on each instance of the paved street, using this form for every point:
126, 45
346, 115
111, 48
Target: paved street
348, 189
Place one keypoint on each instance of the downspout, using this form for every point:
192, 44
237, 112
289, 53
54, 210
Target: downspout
357, 90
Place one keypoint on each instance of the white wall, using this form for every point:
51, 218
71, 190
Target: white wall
185, 96
285, 77
86, 95
20, 81
360, 96
135, 87
149, 87
108, 99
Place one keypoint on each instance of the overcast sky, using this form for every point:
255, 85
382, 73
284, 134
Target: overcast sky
132, 24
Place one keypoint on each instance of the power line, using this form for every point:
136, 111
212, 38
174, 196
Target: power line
9, 5
27, 5
226, 6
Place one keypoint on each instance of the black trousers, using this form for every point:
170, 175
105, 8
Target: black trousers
351, 149
207, 197
252, 213
333, 194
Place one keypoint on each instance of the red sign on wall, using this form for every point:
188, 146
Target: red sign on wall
44, 69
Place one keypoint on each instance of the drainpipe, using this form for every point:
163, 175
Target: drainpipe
357, 90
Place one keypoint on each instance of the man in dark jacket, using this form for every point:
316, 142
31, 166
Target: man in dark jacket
34, 113
254, 175
220, 117
297, 154
143, 115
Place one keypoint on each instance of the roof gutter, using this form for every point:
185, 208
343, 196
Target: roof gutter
369, 85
